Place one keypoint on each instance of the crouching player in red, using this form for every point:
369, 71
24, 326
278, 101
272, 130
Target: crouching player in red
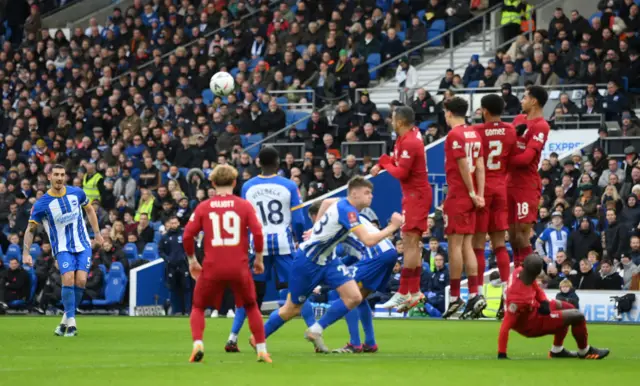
409, 165
530, 314
226, 220
498, 144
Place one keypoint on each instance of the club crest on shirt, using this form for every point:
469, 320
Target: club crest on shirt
456, 145
405, 154
352, 217
513, 308
539, 137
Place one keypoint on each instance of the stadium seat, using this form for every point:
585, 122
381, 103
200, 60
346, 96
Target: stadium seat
150, 251
372, 61
437, 28
401, 35
423, 126
116, 285
130, 251
294, 116
250, 140
288, 79
207, 96
12, 251
420, 15
473, 84
35, 251
319, 47
444, 245
234, 71
157, 236
282, 100
300, 48
183, 172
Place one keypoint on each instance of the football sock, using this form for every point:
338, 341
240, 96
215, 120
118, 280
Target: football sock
558, 337
198, 342
472, 283
196, 319
455, 288
415, 283
64, 319
261, 348
78, 291
579, 332
405, 280
336, 312
233, 337
352, 318
69, 301
307, 313
584, 351
556, 349
273, 323
238, 321
502, 259
366, 318
255, 323
481, 267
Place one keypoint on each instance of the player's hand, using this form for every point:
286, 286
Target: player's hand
195, 269
307, 234
98, 239
544, 308
384, 160
258, 266
502, 355
375, 169
27, 259
520, 129
397, 219
478, 201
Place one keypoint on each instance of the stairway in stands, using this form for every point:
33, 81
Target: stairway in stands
432, 71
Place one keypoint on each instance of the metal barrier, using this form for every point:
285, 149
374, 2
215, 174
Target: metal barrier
295, 148
309, 104
614, 146
374, 149
563, 122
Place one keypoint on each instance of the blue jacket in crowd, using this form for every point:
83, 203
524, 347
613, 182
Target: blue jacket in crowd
170, 248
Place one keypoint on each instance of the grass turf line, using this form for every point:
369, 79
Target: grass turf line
155, 351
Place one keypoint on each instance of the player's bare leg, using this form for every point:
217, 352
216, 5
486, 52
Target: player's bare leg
455, 273
409, 294
475, 303
350, 298
196, 319
257, 331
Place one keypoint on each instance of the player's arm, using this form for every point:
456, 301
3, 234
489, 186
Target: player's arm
28, 240
534, 147
463, 166
372, 239
297, 218
325, 205
503, 337
480, 175
93, 220
540, 243
191, 230
405, 161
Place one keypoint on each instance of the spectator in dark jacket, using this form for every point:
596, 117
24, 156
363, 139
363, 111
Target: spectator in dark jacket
585, 278
273, 119
52, 292
474, 72
511, 102
616, 238
14, 285
337, 179
392, 46
583, 240
357, 73
438, 282
609, 278
568, 294
95, 282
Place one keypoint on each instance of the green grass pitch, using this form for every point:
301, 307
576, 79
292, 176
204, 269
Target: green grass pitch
154, 351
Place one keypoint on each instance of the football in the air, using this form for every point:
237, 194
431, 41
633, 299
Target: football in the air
222, 83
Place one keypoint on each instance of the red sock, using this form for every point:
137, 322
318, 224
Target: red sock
558, 337
197, 323
454, 287
406, 275
481, 266
502, 259
255, 323
579, 332
516, 258
415, 283
472, 283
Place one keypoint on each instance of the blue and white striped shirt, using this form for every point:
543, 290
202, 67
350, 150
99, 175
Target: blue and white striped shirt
62, 218
551, 241
355, 248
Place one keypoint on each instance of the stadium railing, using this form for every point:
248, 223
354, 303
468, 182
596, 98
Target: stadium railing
614, 146
564, 122
295, 148
374, 149
282, 97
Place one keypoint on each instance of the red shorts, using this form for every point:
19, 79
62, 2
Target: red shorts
523, 205
459, 216
533, 325
415, 208
209, 290
495, 214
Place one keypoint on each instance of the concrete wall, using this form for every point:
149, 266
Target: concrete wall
80, 13
544, 16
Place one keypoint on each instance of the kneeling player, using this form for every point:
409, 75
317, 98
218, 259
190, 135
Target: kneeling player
315, 263
371, 268
530, 314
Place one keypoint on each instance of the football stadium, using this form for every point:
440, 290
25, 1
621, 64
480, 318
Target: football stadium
342, 188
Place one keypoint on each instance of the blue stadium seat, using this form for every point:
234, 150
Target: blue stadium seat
473, 84
281, 101
103, 268
423, 126
13, 251
35, 251
252, 139
150, 251
293, 116
207, 96
116, 285
288, 79
183, 172
437, 28
130, 251
234, 71
384, 5
157, 236
420, 15
444, 245
319, 47
300, 48
401, 35
372, 61
403, 25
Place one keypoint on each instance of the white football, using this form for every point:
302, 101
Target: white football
222, 83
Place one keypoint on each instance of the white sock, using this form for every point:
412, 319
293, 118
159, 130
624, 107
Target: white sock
64, 318
480, 290
453, 299
471, 296
233, 337
556, 349
261, 348
71, 322
198, 342
316, 328
584, 351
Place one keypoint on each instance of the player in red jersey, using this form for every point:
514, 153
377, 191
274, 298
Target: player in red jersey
523, 181
464, 166
409, 165
498, 144
225, 220
530, 314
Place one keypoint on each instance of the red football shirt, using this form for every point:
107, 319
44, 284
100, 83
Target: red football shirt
534, 137
498, 144
410, 163
226, 221
462, 142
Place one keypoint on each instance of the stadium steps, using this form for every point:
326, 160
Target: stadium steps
79, 13
433, 69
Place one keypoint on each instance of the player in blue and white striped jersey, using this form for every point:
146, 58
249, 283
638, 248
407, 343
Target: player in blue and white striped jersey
316, 261
60, 212
276, 200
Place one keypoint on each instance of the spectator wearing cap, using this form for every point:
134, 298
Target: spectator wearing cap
630, 127
511, 102
474, 71
588, 199
357, 75
552, 239
630, 161
407, 79
509, 76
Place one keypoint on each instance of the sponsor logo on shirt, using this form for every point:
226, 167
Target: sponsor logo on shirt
456, 145
539, 137
353, 218
67, 218
405, 154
